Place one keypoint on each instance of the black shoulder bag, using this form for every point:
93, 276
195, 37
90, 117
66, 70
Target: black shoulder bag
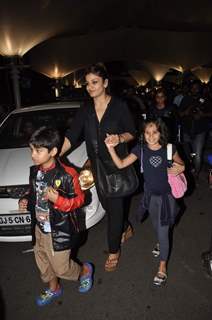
120, 183
113, 182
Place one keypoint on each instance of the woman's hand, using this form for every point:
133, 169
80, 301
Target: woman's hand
176, 168
52, 194
112, 140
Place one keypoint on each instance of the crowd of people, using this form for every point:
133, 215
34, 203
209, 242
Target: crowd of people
187, 112
107, 127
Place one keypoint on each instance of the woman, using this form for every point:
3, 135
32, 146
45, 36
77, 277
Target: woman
102, 116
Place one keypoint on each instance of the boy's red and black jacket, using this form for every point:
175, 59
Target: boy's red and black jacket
65, 215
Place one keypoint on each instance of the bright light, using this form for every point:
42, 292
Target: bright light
178, 68
141, 76
159, 76
55, 72
158, 71
143, 83
56, 92
16, 44
203, 74
8, 45
204, 79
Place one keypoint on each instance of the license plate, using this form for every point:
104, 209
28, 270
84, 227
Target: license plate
15, 219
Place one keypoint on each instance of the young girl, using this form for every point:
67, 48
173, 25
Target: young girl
157, 198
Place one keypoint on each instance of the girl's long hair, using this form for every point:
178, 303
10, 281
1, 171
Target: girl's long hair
161, 127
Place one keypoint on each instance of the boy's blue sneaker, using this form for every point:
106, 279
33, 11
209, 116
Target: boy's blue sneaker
47, 296
86, 281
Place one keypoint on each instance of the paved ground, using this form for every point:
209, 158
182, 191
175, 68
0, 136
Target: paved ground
128, 293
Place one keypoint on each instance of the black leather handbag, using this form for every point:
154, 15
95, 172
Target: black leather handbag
120, 183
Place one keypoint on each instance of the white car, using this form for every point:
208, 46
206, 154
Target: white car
15, 160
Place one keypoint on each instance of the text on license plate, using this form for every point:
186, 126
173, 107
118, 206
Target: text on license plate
15, 219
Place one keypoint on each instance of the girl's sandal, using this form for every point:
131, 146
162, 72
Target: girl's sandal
111, 263
160, 278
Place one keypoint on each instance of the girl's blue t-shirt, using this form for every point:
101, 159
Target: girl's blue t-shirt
155, 166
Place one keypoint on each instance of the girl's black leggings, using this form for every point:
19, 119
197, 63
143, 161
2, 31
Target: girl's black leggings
162, 234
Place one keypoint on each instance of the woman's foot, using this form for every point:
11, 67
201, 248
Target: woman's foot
112, 261
127, 234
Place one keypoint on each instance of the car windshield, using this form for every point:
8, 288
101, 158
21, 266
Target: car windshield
18, 128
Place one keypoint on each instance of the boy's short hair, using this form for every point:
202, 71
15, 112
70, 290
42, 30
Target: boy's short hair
46, 137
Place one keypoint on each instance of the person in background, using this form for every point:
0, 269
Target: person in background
195, 111
181, 92
162, 108
105, 114
53, 197
136, 105
158, 199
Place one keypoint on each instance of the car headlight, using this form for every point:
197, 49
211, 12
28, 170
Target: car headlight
14, 192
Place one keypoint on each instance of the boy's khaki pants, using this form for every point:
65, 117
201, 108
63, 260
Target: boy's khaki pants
52, 263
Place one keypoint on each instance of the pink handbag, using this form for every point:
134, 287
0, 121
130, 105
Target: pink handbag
178, 184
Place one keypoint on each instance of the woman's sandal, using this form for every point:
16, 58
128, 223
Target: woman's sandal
160, 278
111, 263
127, 234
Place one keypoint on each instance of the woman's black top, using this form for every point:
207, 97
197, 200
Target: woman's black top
117, 119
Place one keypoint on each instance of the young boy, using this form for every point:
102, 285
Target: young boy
53, 196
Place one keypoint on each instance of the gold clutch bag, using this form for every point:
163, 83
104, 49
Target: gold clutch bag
86, 179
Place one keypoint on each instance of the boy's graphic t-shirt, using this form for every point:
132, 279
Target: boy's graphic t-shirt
42, 206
